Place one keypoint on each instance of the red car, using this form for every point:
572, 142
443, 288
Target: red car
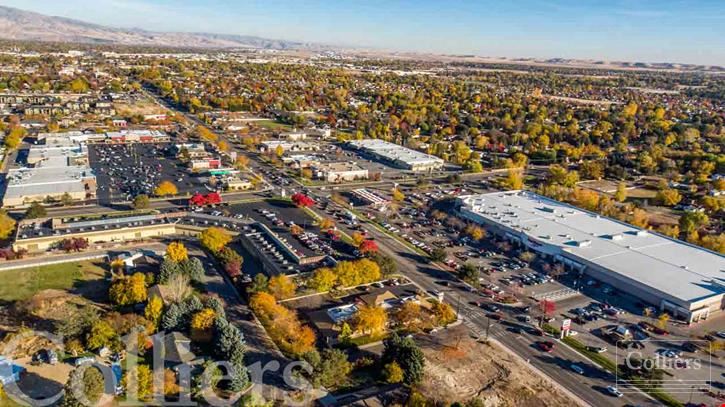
546, 346
494, 316
660, 331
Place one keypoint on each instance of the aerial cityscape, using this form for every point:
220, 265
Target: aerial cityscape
424, 204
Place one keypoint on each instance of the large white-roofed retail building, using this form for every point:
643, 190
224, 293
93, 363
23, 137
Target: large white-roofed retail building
683, 279
398, 156
56, 169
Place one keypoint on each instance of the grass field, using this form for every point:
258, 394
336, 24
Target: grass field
22, 284
273, 125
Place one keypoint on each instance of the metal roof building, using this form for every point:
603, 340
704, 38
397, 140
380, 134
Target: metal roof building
398, 155
54, 170
684, 279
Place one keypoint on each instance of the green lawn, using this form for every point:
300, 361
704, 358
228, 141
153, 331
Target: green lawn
22, 284
273, 125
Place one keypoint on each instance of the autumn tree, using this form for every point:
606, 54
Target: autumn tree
7, 224
368, 247
475, 232
398, 196
323, 279
621, 193
444, 313
352, 273
393, 373
206, 134
171, 387
165, 188
296, 230
138, 383
514, 179
585, 198
410, 316
201, 324
214, 238
101, 335
357, 239
326, 223
301, 200
15, 137
668, 197
691, 221
176, 251
154, 309
672, 231
281, 286
282, 324
242, 162
128, 290
370, 320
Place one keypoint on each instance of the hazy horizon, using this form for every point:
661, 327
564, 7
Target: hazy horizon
634, 31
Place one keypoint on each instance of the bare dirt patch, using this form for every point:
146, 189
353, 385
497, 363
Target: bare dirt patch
476, 370
141, 107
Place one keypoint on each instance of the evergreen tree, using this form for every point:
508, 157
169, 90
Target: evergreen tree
86, 381
193, 268
407, 354
168, 269
172, 317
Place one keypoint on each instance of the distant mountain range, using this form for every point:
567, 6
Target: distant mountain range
16, 24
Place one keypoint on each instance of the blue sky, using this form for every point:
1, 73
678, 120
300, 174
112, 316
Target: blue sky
624, 30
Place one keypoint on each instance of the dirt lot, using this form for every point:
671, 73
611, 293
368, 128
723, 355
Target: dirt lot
142, 107
480, 370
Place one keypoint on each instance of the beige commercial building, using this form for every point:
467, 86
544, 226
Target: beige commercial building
339, 172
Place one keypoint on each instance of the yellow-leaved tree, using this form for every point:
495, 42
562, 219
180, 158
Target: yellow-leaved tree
154, 309
370, 320
166, 188
176, 251
214, 238
128, 290
281, 287
201, 325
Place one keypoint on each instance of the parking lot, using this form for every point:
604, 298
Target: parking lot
279, 216
124, 171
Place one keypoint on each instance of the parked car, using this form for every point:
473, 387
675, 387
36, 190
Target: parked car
82, 360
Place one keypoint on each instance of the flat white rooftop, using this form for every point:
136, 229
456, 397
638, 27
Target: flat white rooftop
54, 172
684, 271
395, 152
